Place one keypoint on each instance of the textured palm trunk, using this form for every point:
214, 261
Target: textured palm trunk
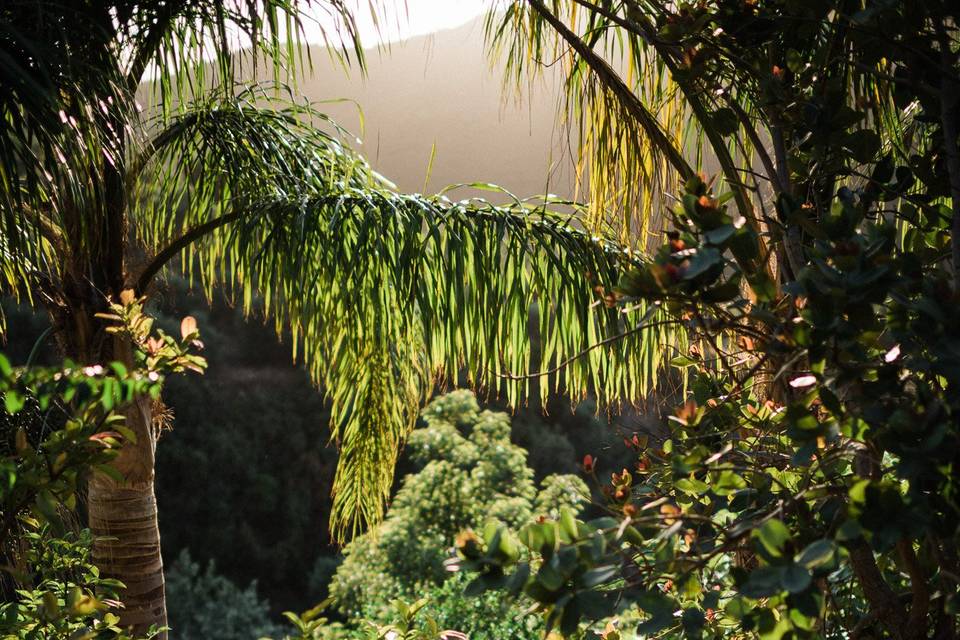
129, 550
123, 517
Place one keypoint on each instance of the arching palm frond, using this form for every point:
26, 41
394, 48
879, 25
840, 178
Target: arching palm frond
69, 119
644, 96
386, 293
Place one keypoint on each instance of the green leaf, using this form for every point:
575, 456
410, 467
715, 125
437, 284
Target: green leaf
794, 61
725, 121
863, 144
705, 258
691, 486
763, 582
720, 235
549, 576
774, 536
659, 607
817, 554
598, 576
568, 524
727, 482
795, 578
13, 401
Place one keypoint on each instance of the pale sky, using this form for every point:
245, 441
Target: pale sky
420, 17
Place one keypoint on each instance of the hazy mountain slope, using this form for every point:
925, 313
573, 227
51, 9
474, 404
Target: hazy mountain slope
441, 89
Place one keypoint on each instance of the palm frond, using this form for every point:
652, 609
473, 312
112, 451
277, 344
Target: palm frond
386, 293
69, 120
631, 120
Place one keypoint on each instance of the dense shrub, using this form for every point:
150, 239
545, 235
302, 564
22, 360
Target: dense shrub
58, 425
807, 487
469, 474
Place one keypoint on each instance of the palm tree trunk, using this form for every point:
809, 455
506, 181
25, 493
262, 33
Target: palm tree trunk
123, 519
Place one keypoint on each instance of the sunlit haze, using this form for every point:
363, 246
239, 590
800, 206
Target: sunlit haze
404, 19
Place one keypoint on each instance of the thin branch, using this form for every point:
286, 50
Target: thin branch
616, 338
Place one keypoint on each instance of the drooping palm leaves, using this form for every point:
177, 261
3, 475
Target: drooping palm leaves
383, 293
645, 98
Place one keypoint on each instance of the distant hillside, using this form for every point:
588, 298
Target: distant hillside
441, 89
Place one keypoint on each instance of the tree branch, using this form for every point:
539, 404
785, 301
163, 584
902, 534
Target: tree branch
915, 626
613, 81
949, 98
884, 604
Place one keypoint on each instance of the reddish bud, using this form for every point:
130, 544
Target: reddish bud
588, 463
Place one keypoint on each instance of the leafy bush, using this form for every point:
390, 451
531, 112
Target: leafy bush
204, 605
469, 474
60, 424
808, 486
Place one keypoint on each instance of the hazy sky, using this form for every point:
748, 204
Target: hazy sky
420, 17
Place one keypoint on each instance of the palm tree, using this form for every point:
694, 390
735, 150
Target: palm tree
257, 194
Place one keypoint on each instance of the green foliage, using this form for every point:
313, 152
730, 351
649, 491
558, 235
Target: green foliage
60, 593
59, 424
258, 445
258, 193
470, 474
204, 605
807, 487
488, 615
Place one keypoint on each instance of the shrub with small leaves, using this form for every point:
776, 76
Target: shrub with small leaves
807, 485
470, 474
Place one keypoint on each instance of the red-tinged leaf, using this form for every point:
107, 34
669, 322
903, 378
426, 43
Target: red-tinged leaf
188, 327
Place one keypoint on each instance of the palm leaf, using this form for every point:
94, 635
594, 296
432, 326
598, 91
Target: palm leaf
387, 293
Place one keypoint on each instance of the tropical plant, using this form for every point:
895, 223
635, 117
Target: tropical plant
470, 474
257, 193
60, 425
807, 487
